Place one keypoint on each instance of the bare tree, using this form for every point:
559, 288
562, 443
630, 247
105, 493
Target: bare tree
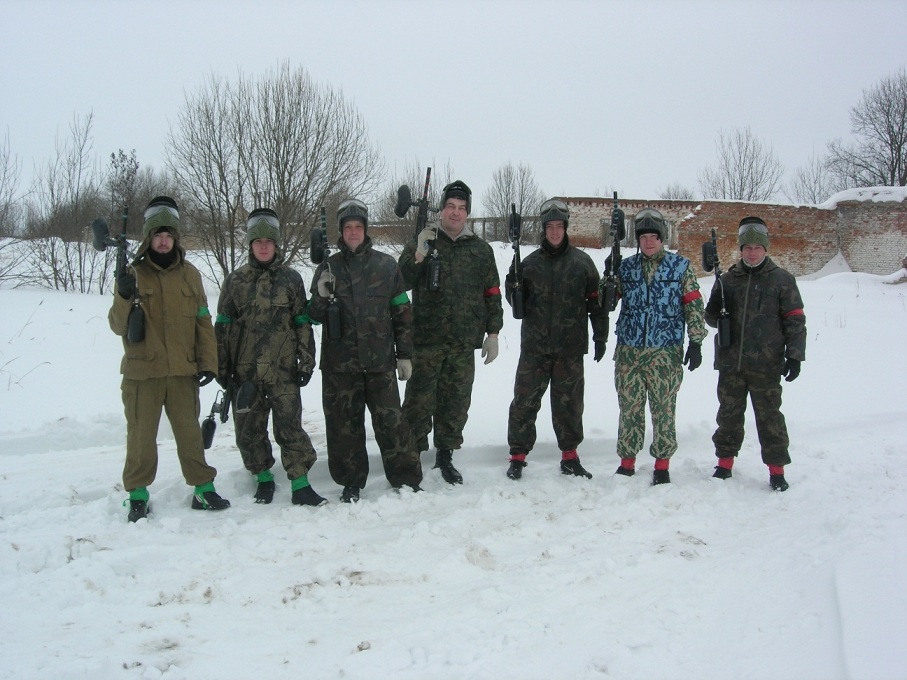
812, 183
746, 169
10, 254
515, 185
280, 141
879, 156
63, 202
676, 192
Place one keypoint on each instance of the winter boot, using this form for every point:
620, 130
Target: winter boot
206, 498
350, 494
723, 469
776, 478
264, 494
443, 461
570, 465
517, 463
627, 467
661, 474
778, 483
138, 509
304, 494
138, 504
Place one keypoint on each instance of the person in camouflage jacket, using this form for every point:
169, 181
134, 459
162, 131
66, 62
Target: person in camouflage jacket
167, 366
560, 297
768, 341
267, 352
358, 367
450, 324
659, 297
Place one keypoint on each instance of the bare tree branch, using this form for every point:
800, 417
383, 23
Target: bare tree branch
746, 169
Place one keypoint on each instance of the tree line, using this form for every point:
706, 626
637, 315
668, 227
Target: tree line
284, 141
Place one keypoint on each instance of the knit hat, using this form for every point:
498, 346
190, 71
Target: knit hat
161, 212
262, 223
457, 189
554, 209
352, 209
752, 232
650, 221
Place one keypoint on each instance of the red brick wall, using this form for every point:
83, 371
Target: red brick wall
871, 235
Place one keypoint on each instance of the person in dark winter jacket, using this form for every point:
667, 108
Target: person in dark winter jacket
768, 341
164, 369
560, 297
450, 324
659, 297
267, 351
360, 367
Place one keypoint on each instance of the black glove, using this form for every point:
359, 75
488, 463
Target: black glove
126, 284
205, 377
693, 357
599, 350
223, 381
791, 370
304, 378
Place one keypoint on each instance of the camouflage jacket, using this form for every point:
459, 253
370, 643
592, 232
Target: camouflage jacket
375, 312
560, 292
179, 339
767, 319
263, 333
468, 305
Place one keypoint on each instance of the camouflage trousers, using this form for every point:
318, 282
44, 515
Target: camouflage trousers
438, 395
344, 398
534, 373
280, 401
765, 393
142, 403
654, 375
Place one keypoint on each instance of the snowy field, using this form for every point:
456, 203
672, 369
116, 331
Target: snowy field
548, 577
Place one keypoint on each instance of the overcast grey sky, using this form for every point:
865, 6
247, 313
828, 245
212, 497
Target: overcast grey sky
593, 96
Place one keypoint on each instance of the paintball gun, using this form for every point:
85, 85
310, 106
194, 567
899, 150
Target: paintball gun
514, 230
221, 405
404, 202
321, 252
711, 262
608, 286
101, 240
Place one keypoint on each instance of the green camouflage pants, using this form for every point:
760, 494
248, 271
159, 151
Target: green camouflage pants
283, 403
533, 375
655, 376
438, 395
142, 403
344, 397
765, 393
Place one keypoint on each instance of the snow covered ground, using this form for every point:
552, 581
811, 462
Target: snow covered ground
548, 577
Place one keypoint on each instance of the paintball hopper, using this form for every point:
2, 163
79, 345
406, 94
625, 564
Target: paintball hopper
100, 232
618, 220
514, 224
316, 247
404, 201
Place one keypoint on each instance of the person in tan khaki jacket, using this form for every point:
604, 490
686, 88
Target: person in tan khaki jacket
164, 369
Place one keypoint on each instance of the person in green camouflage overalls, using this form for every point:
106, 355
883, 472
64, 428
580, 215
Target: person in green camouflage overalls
167, 366
560, 297
358, 367
267, 351
768, 341
659, 297
450, 324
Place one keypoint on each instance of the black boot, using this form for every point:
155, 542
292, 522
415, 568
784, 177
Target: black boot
444, 463
515, 471
661, 477
138, 510
778, 483
574, 467
722, 473
306, 495
265, 492
209, 500
350, 494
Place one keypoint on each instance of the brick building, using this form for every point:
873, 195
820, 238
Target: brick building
868, 226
